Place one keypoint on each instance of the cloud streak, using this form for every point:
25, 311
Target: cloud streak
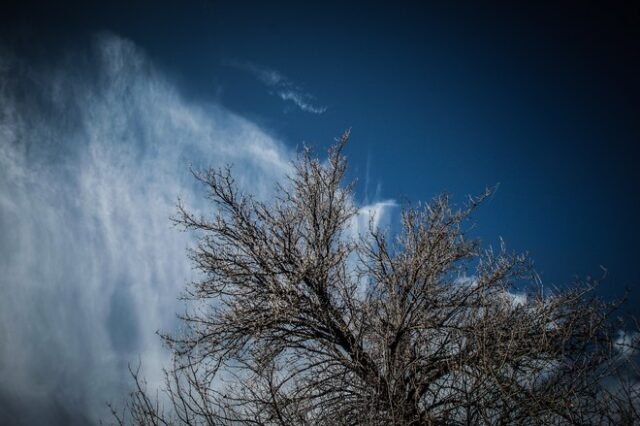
372, 216
281, 86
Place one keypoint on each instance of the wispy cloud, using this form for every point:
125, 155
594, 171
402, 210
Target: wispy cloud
281, 86
93, 155
91, 163
302, 100
372, 216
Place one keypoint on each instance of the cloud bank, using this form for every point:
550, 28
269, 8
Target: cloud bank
94, 151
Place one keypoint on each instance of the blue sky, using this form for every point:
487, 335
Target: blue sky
542, 100
107, 105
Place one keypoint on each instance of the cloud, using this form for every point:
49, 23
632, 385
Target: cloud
302, 100
377, 215
94, 152
627, 343
516, 299
281, 86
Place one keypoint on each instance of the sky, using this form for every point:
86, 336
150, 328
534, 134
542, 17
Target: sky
104, 107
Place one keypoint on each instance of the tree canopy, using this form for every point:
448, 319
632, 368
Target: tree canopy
299, 320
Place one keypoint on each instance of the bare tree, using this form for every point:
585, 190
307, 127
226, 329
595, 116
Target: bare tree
298, 320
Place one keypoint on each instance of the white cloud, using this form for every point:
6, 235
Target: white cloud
281, 86
302, 100
376, 215
516, 299
466, 281
627, 343
510, 298
92, 160
91, 163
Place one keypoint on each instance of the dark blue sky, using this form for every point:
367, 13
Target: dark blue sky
543, 99
103, 105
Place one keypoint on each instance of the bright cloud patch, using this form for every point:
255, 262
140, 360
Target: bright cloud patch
92, 160
374, 215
